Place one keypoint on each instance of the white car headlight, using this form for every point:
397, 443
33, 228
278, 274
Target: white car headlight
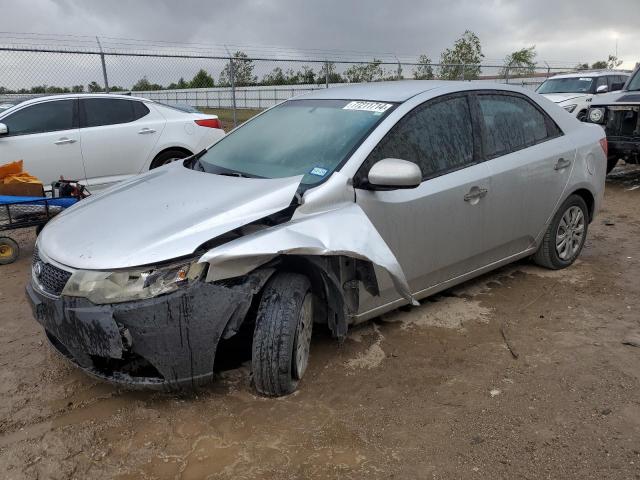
596, 115
127, 285
570, 108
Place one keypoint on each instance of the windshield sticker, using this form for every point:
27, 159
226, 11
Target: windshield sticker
585, 79
319, 171
375, 107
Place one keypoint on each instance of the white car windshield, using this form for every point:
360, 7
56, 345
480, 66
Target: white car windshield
567, 85
299, 137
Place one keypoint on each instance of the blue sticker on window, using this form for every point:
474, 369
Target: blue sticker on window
319, 171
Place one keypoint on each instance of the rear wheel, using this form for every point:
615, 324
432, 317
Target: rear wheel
565, 236
611, 163
9, 250
282, 335
167, 157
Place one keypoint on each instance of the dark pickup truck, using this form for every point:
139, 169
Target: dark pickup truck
619, 114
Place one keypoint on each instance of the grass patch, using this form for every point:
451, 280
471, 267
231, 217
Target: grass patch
226, 115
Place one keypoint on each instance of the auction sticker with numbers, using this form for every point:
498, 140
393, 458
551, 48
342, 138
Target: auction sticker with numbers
376, 107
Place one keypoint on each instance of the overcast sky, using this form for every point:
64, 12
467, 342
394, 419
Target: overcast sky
564, 31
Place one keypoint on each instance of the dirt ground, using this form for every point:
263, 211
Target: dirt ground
433, 392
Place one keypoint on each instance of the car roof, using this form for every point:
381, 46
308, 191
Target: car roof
592, 73
394, 91
80, 95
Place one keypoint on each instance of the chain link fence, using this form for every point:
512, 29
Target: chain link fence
231, 82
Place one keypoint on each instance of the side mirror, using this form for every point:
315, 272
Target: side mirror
393, 173
617, 86
3, 129
602, 89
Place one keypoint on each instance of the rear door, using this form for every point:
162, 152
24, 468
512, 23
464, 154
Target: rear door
436, 230
530, 162
118, 136
45, 136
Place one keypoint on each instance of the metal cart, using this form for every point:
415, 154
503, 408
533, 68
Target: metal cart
26, 212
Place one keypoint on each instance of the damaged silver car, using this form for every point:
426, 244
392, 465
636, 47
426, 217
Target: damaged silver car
330, 208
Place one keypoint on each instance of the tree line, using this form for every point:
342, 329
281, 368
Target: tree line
460, 61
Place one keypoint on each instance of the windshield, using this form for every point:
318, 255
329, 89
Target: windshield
567, 85
298, 137
634, 83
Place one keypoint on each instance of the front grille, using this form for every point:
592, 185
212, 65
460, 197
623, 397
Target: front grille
51, 278
623, 124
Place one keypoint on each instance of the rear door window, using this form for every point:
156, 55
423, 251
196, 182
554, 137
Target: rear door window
512, 123
43, 117
106, 111
437, 136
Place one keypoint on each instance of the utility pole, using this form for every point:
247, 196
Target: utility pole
104, 66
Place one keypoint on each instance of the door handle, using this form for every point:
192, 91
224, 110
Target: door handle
475, 193
562, 163
65, 141
146, 130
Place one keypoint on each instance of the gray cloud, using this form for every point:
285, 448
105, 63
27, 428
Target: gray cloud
563, 30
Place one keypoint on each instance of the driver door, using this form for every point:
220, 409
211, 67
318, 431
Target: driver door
437, 229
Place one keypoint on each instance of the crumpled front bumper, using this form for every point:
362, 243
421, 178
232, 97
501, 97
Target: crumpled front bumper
164, 343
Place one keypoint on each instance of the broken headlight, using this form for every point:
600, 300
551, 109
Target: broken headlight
128, 285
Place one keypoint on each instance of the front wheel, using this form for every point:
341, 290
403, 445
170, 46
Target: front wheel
167, 157
9, 250
565, 236
282, 335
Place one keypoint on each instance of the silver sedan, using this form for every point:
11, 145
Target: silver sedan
330, 208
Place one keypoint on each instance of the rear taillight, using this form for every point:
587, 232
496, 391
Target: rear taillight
209, 122
604, 145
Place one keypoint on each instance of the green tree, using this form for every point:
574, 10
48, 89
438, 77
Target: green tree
200, 80
306, 75
368, 72
94, 87
599, 65
424, 70
613, 62
520, 63
242, 71
334, 76
275, 77
144, 85
465, 56
582, 66
77, 89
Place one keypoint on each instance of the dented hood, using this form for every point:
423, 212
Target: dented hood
166, 213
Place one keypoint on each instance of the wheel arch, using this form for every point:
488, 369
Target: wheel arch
588, 198
164, 150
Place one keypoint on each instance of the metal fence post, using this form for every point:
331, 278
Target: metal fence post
326, 74
104, 66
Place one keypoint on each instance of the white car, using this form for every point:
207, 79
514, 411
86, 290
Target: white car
574, 91
100, 139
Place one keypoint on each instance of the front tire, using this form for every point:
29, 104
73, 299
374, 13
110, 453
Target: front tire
167, 157
565, 236
282, 334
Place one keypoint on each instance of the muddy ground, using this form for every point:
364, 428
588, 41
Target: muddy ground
433, 392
